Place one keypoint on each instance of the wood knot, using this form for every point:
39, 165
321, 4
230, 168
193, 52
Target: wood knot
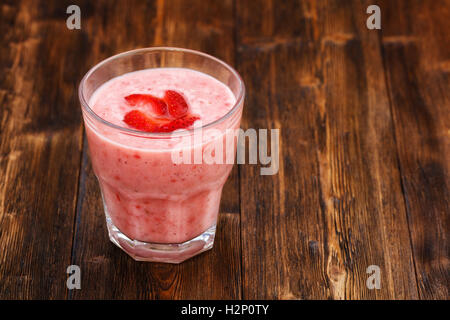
335, 273
313, 247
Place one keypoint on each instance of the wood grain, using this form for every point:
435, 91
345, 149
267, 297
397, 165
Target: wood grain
417, 59
40, 149
107, 271
364, 150
336, 205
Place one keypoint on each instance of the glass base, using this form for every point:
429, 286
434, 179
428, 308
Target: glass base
161, 252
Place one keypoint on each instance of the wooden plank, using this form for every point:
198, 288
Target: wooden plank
107, 272
336, 206
281, 220
40, 148
416, 47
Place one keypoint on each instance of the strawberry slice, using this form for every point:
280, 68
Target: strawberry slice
176, 104
159, 107
180, 123
139, 120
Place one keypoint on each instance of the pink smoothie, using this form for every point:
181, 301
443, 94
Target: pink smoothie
147, 196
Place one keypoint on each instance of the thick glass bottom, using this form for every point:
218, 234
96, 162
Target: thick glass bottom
161, 252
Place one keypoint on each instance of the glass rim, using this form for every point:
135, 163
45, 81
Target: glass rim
85, 104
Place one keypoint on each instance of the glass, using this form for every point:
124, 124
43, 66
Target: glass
149, 214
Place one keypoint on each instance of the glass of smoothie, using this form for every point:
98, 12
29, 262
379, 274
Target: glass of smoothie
158, 123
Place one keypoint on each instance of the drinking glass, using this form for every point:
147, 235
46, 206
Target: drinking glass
158, 209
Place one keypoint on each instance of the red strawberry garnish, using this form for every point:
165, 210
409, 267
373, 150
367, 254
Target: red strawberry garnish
176, 104
160, 120
180, 123
159, 107
139, 120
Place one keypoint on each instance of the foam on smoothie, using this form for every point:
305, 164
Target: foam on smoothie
206, 96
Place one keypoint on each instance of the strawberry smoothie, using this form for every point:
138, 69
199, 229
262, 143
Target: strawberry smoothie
148, 198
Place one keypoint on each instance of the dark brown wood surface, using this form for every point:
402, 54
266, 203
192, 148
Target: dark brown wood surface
364, 170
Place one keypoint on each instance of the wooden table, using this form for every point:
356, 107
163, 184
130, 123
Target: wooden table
364, 119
